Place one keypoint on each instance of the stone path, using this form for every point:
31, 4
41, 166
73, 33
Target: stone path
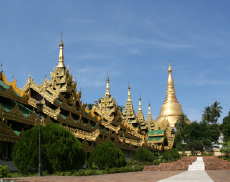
196, 173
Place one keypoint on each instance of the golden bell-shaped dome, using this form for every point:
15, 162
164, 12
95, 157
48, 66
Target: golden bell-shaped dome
171, 109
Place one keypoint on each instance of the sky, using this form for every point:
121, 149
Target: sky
132, 41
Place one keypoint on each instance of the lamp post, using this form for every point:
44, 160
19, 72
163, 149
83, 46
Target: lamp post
39, 110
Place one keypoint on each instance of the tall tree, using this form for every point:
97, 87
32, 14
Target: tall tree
226, 127
212, 113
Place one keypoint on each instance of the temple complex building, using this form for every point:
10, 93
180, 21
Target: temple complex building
58, 100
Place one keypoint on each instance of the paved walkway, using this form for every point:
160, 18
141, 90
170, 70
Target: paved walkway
145, 176
196, 173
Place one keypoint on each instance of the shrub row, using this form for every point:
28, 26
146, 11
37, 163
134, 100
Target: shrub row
88, 172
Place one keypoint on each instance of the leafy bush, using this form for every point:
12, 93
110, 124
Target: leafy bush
106, 155
143, 154
4, 171
226, 148
170, 155
60, 150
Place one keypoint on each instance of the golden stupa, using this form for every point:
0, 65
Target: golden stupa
171, 110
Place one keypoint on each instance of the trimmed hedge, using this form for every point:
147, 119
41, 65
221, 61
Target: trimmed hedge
88, 172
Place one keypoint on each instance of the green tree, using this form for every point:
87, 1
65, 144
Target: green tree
226, 148
106, 155
180, 134
226, 127
142, 154
212, 113
60, 150
194, 136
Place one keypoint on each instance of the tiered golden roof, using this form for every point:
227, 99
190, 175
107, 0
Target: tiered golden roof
129, 113
61, 103
140, 117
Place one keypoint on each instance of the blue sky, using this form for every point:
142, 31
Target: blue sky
133, 41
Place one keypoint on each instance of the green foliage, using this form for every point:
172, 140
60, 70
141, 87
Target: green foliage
226, 148
106, 155
170, 155
4, 171
199, 136
60, 150
88, 172
143, 154
196, 136
212, 113
226, 127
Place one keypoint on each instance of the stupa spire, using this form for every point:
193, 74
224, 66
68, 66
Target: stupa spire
139, 104
128, 112
149, 113
149, 118
107, 89
129, 94
171, 109
171, 93
61, 55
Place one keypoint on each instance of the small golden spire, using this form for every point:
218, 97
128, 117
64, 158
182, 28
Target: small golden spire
149, 118
107, 90
61, 54
129, 94
139, 105
149, 110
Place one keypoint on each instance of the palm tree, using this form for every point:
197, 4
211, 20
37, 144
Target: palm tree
212, 113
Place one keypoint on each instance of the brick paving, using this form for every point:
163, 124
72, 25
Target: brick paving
217, 169
181, 164
144, 176
215, 163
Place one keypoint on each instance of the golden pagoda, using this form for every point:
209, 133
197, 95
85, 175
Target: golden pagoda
171, 110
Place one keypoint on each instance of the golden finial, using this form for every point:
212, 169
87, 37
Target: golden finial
149, 110
129, 93
107, 90
139, 105
61, 54
170, 68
